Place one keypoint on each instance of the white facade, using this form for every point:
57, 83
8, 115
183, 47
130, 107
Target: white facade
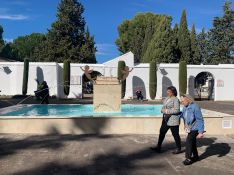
11, 76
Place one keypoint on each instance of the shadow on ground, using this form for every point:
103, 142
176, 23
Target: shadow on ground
53, 142
112, 162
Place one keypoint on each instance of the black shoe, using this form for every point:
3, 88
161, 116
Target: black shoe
178, 151
195, 159
157, 149
187, 162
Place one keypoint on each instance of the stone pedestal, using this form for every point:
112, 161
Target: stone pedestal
107, 95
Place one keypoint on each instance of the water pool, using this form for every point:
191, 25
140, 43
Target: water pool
80, 110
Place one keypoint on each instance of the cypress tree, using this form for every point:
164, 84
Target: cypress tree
182, 77
153, 80
184, 38
121, 66
1, 39
25, 77
195, 55
66, 76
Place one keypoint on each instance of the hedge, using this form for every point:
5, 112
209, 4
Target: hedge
121, 66
66, 77
182, 77
153, 80
25, 77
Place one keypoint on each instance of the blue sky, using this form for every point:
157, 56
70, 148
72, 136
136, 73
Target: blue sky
21, 17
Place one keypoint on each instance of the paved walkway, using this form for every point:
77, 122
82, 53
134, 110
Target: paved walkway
109, 155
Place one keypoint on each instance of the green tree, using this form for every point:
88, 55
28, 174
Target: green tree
7, 51
67, 37
135, 35
153, 79
195, 54
221, 37
66, 76
202, 46
175, 45
88, 49
121, 66
25, 77
23, 47
160, 48
182, 77
1, 38
184, 38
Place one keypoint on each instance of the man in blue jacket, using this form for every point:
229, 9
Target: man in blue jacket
194, 127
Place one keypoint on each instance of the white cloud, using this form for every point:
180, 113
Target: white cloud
8, 40
13, 17
143, 5
105, 49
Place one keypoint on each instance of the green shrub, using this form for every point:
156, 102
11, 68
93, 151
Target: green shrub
153, 79
121, 66
182, 77
25, 77
66, 77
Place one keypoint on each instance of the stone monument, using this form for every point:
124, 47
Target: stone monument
107, 95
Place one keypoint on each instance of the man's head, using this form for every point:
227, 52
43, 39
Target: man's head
186, 99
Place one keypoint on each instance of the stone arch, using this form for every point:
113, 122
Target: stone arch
204, 86
138, 83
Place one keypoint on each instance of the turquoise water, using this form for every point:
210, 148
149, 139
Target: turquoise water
83, 110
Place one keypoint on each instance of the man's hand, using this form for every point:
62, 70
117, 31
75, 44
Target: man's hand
200, 135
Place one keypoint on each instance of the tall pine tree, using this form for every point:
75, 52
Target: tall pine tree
195, 55
184, 38
202, 46
160, 48
67, 37
176, 50
221, 37
88, 49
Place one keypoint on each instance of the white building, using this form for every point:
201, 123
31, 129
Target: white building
222, 84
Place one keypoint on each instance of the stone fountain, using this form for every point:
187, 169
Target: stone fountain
107, 95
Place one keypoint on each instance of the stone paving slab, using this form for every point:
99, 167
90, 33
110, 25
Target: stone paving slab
109, 155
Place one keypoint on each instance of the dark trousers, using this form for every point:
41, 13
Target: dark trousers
45, 100
175, 132
191, 145
139, 97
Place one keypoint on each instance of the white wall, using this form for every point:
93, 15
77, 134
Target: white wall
112, 66
167, 75
11, 77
